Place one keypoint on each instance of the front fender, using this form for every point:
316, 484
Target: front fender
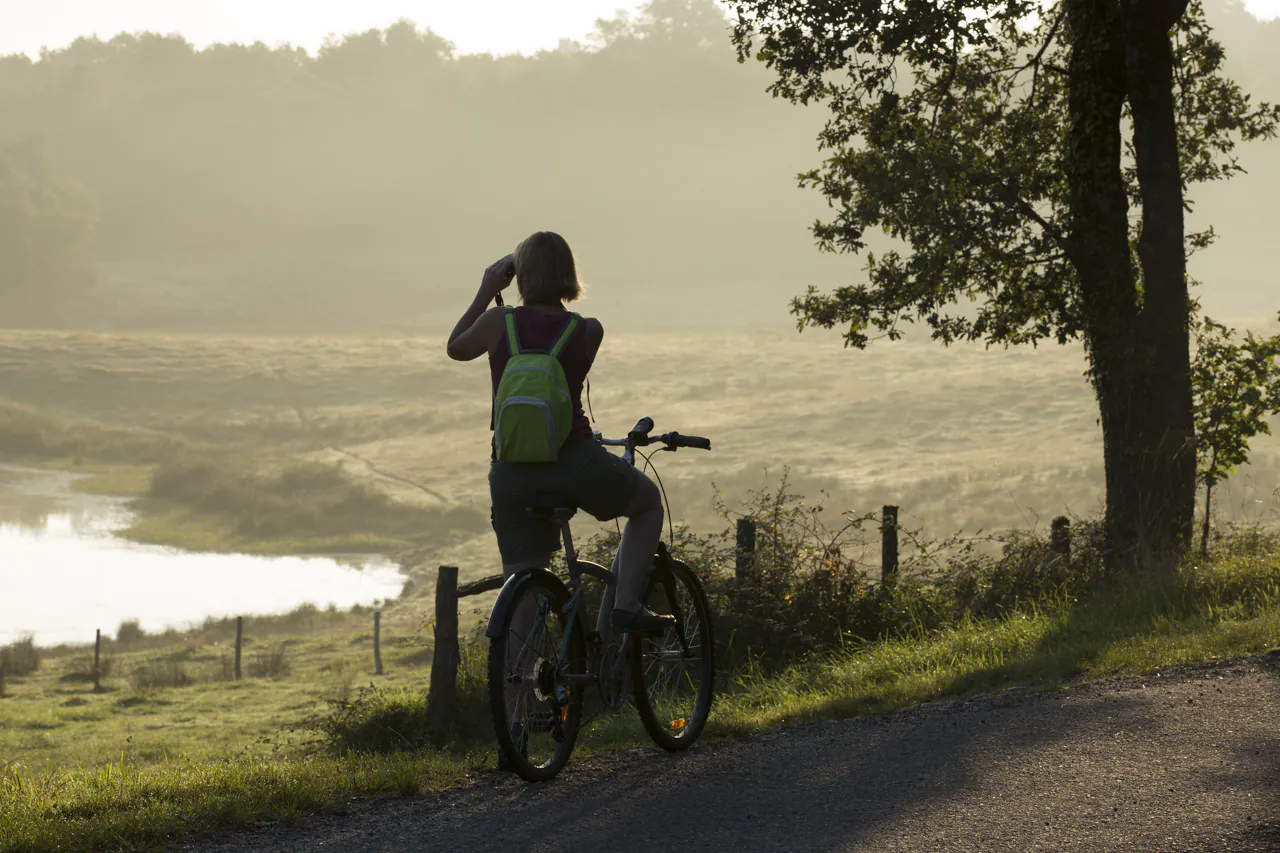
510, 589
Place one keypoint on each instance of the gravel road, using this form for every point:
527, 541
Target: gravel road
1185, 761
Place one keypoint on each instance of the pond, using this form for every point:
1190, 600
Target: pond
64, 572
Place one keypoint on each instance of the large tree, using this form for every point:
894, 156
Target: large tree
1030, 160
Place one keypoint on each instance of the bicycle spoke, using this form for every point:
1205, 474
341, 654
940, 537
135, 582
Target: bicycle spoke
671, 675
532, 706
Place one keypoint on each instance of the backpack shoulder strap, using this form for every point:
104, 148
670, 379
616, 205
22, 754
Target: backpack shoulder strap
513, 337
569, 328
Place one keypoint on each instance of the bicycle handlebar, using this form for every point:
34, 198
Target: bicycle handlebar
639, 437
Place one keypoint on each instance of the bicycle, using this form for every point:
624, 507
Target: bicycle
542, 663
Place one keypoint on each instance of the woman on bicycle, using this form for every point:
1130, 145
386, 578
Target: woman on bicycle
596, 480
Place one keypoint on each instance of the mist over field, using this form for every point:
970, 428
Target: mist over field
253, 190
248, 188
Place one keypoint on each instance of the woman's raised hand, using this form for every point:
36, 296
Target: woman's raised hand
498, 275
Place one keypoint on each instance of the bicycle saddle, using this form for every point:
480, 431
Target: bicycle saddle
553, 507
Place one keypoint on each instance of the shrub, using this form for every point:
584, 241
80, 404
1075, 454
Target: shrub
814, 585
129, 632
20, 657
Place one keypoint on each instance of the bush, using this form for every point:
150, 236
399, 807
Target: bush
21, 657
815, 584
130, 632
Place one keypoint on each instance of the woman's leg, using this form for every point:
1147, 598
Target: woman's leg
639, 542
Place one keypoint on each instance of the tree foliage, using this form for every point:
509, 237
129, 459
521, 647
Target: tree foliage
46, 223
1237, 390
987, 139
948, 132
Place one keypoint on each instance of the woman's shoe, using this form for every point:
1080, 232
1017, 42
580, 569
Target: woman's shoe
644, 621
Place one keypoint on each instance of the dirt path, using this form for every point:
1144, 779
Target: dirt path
1185, 761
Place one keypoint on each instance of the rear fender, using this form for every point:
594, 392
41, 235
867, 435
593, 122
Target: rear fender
507, 596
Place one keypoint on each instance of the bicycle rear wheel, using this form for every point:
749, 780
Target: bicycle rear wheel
674, 678
536, 711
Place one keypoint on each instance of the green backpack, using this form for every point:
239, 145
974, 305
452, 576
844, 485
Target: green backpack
532, 410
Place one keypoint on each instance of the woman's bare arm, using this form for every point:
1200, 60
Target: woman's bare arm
479, 329
593, 335
477, 332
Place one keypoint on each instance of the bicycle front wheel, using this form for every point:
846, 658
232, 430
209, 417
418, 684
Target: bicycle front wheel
674, 671
536, 710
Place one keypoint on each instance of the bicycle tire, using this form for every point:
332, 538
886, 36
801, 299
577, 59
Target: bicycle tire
673, 723
536, 698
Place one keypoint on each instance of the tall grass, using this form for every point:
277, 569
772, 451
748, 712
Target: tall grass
166, 672
379, 720
271, 663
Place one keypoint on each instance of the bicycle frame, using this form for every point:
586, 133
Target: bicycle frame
575, 608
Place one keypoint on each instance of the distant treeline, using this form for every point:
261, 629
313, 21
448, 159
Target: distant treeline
388, 165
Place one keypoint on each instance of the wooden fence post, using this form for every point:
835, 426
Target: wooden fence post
1060, 546
744, 568
889, 546
377, 642
97, 661
444, 658
239, 641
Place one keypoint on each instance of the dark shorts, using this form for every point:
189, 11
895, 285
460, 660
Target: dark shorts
597, 481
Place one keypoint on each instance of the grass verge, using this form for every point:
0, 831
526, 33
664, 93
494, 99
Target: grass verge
1129, 626
120, 806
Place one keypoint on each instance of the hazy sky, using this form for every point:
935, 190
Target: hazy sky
475, 26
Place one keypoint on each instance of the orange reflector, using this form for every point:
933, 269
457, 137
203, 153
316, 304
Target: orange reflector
676, 724
564, 713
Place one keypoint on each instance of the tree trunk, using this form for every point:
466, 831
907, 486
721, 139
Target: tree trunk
1137, 338
1098, 242
1165, 454
1204, 535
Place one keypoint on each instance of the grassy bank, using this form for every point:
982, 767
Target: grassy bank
1127, 626
212, 495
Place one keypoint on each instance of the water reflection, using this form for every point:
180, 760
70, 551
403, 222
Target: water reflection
63, 574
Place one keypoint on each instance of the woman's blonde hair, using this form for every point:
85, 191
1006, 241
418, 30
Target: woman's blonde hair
545, 271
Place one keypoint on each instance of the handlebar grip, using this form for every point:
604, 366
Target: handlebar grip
642, 428
678, 440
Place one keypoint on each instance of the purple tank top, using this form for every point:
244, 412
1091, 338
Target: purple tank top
539, 330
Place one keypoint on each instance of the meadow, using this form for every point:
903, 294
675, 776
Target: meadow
378, 444
959, 437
